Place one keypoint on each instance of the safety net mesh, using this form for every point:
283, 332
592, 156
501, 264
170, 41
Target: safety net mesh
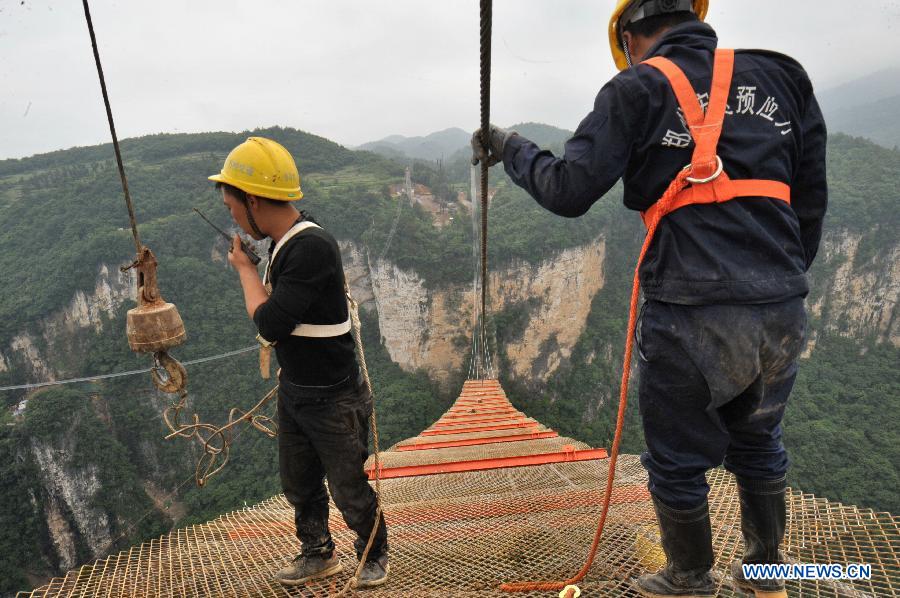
505, 505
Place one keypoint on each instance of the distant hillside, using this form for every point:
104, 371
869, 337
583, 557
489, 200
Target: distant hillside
543, 135
878, 121
866, 107
546, 136
870, 88
452, 145
436, 146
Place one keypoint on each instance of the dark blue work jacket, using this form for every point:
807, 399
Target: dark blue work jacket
748, 250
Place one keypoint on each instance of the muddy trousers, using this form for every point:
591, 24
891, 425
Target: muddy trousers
327, 437
714, 383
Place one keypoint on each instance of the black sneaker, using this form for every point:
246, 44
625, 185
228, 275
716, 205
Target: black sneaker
374, 573
307, 568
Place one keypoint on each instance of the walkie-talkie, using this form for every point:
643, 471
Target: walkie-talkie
255, 259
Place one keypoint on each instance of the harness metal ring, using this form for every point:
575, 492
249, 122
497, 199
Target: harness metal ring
719, 168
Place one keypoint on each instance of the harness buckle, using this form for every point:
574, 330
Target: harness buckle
719, 168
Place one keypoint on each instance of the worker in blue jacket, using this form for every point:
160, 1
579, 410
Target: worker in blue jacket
724, 276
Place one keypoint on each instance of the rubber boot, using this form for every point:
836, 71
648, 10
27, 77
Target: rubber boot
763, 516
687, 541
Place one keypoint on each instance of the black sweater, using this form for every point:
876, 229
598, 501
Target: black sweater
308, 288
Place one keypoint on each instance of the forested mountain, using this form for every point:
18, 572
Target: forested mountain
86, 470
453, 145
867, 107
878, 120
434, 146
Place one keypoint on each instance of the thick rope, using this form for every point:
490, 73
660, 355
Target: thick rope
112, 130
664, 203
129, 527
216, 440
373, 422
486, 9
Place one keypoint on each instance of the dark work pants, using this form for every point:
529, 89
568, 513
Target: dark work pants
321, 437
714, 383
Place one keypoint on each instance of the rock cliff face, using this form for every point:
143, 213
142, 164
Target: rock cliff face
55, 333
565, 285
71, 489
87, 310
356, 271
855, 295
430, 329
404, 313
856, 292
23, 349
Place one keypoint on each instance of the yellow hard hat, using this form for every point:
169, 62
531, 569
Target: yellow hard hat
615, 43
261, 167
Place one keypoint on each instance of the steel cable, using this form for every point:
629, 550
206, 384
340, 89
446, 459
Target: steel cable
486, 18
34, 385
112, 130
223, 433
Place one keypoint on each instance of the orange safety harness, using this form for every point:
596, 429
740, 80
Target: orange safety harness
709, 183
702, 181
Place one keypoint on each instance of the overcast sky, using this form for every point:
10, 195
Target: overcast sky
359, 70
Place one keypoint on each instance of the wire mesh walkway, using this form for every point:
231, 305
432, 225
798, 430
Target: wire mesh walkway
510, 504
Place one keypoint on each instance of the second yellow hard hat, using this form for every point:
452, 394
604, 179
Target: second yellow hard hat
262, 167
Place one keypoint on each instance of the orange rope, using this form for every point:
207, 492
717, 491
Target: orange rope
664, 203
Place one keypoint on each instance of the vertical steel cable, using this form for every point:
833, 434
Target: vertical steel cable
473, 189
112, 130
486, 10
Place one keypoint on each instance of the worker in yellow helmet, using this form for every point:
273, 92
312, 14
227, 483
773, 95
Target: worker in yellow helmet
723, 154
324, 404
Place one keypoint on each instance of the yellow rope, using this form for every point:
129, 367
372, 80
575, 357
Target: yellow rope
373, 422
